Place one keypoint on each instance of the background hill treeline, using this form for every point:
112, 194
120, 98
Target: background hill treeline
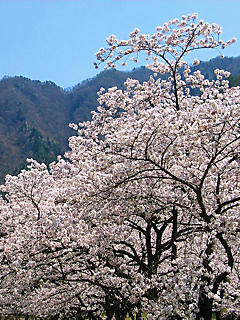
34, 115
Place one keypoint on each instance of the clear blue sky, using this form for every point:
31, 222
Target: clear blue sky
56, 39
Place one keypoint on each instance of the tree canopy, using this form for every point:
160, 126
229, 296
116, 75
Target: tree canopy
141, 216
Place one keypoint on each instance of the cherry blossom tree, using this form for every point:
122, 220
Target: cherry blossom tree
141, 217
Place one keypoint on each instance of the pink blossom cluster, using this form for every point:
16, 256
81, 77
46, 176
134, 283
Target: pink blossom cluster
141, 216
170, 44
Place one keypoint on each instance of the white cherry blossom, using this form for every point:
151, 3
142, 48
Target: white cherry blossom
141, 216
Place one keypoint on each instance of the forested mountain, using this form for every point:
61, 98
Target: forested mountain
33, 122
34, 115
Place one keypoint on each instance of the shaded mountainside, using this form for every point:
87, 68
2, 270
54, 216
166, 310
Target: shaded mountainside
34, 115
31, 115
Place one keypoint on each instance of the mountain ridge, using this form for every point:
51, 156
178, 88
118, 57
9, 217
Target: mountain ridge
34, 115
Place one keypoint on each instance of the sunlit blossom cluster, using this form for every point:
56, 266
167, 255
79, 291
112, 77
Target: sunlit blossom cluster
141, 217
170, 44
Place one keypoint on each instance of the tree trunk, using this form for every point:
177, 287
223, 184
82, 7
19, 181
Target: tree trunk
205, 307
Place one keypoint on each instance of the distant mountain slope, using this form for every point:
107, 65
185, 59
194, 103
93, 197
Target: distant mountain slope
34, 115
33, 122
84, 95
228, 63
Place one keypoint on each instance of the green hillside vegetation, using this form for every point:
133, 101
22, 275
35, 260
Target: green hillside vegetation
34, 115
